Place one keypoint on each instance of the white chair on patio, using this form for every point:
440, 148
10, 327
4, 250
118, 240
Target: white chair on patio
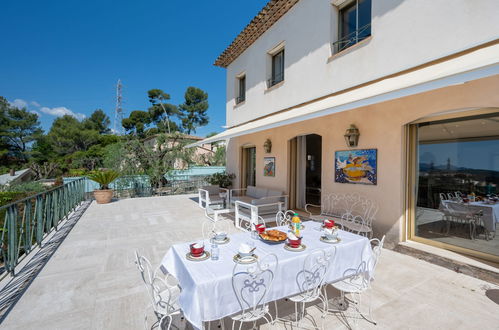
358, 281
265, 208
311, 280
351, 212
252, 283
212, 194
359, 217
163, 292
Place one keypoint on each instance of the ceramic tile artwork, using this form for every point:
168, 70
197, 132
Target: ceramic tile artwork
269, 166
356, 166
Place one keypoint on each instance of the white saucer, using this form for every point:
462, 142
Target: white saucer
298, 249
330, 241
224, 241
202, 257
245, 260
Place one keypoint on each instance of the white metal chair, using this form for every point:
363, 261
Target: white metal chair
210, 228
310, 280
251, 284
357, 281
283, 218
163, 292
352, 212
463, 213
357, 214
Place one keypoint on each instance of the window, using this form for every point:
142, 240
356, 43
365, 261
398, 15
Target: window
277, 73
241, 89
456, 167
354, 24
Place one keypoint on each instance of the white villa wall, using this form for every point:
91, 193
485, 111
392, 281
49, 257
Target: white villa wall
405, 33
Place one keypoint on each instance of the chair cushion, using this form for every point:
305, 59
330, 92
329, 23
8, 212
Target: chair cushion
271, 193
244, 199
212, 190
266, 200
250, 191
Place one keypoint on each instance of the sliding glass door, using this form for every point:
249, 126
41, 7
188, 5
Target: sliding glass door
456, 183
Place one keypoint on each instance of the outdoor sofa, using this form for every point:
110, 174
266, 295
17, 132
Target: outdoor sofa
252, 203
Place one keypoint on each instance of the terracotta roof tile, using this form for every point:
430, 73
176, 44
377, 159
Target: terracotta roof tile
270, 14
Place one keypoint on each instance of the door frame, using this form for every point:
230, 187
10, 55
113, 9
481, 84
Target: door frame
243, 159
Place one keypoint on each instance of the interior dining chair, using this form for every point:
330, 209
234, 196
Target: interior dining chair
252, 284
163, 291
356, 282
310, 280
283, 218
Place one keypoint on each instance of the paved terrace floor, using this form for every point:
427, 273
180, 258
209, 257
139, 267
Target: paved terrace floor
91, 281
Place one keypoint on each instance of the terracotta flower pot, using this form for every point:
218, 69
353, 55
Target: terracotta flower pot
103, 196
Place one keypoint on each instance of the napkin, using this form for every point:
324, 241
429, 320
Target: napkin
245, 248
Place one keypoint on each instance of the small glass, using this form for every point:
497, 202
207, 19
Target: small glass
215, 251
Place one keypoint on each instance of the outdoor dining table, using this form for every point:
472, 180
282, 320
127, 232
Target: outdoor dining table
207, 292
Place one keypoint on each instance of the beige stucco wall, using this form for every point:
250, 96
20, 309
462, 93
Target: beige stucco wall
381, 126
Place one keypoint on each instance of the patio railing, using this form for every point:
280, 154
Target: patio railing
27, 222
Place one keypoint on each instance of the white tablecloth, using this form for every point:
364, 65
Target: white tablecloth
490, 213
207, 292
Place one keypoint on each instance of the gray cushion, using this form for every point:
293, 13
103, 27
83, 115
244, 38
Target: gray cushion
212, 190
274, 193
251, 191
245, 199
266, 200
260, 192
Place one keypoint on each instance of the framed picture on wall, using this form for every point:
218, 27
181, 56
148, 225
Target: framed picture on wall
269, 166
356, 166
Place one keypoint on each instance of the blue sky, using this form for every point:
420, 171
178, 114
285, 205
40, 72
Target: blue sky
483, 155
66, 56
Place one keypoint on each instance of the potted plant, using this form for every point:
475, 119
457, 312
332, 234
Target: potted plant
223, 180
103, 178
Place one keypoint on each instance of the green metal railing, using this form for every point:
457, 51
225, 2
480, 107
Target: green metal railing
28, 221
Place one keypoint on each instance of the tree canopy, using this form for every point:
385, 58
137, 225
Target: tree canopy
160, 111
194, 109
98, 121
137, 122
18, 129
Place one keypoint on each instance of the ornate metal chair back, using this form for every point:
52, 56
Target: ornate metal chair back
283, 218
315, 268
252, 283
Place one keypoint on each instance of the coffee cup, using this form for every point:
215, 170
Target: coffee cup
220, 235
245, 250
197, 249
329, 223
293, 240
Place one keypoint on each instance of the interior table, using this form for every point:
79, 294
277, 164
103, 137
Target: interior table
207, 293
490, 212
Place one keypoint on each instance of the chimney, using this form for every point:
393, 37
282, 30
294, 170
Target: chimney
12, 172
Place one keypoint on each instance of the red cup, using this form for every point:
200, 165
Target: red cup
196, 252
260, 228
294, 243
329, 223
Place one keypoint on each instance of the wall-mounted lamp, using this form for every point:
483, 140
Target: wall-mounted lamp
352, 136
267, 146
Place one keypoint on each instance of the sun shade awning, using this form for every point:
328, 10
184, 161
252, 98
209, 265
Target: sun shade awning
478, 64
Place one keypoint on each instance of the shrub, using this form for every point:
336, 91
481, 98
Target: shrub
221, 179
